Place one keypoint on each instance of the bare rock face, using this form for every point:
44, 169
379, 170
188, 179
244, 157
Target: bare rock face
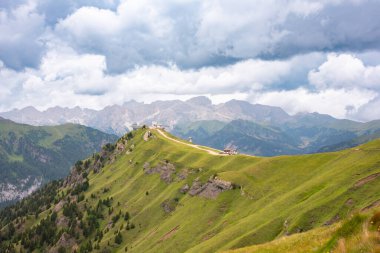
147, 135
58, 207
183, 174
74, 178
165, 169
37, 153
196, 188
97, 166
223, 185
65, 241
185, 189
146, 166
211, 189
120, 147
63, 221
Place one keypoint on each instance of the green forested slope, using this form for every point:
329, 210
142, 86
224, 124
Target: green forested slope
30, 156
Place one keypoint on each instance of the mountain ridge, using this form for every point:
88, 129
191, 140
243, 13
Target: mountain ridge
119, 118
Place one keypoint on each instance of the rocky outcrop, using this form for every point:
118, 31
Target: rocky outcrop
58, 207
196, 188
146, 166
168, 172
183, 174
165, 169
63, 221
211, 189
120, 147
185, 189
75, 177
147, 135
169, 205
65, 241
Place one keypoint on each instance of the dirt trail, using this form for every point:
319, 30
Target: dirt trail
211, 152
169, 234
367, 179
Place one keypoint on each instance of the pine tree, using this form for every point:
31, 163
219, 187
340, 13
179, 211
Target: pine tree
118, 238
126, 216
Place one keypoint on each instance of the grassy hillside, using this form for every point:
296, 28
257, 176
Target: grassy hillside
269, 198
358, 233
30, 156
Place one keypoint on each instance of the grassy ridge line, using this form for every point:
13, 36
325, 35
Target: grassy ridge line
282, 188
211, 151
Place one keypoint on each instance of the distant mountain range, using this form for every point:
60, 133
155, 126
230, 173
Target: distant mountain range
271, 140
31, 156
253, 128
118, 119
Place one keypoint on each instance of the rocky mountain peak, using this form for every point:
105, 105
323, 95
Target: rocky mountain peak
200, 101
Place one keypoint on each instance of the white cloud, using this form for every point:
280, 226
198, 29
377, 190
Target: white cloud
89, 21
136, 33
345, 71
66, 78
83, 80
334, 102
369, 111
248, 28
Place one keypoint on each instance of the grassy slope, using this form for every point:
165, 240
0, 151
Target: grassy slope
310, 241
305, 191
358, 233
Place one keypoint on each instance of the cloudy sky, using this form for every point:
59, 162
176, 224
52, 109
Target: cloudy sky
302, 55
